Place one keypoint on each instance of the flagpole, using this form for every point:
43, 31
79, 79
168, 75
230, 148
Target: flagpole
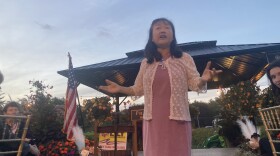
80, 111
70, 115
78, 98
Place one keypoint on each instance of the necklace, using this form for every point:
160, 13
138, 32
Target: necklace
162, 64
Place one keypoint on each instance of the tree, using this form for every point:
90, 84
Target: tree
24, 105
1, 94
206, 112
214, 107
242, 99
268, 98
194, 112
47, 121
2, 101
98, 110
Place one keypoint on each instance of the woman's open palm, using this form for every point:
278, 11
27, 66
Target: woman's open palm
111, 87
209, 74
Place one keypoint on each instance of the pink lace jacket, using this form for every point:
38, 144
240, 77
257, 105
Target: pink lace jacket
183, 76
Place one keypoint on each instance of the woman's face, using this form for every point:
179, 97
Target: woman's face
275, 76
162, 34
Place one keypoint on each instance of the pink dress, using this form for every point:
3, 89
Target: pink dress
162, 136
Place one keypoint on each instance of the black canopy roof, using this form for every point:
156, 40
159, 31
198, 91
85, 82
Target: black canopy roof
238, 62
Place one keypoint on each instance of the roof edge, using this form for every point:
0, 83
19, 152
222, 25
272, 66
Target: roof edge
188, 46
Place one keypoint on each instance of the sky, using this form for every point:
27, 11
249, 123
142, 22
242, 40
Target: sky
35, 36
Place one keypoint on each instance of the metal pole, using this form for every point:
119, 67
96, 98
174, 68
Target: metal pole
117, 124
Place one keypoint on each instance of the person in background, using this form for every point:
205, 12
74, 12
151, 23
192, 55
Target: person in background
273, 74
165, 76
12, 128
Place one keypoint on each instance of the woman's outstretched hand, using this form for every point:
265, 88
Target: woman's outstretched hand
111, 87
209, 74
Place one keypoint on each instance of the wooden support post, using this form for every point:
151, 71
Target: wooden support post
96, 124
117, 124
136, 115
134, 139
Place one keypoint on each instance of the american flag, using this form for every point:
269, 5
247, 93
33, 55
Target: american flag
70, 117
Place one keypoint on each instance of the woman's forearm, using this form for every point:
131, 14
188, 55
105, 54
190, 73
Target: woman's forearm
201, 83
127, 90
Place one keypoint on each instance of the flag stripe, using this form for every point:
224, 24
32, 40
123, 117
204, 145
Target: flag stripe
70, 132
69, 106
70, 114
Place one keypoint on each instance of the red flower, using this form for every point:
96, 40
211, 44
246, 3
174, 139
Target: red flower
278, 136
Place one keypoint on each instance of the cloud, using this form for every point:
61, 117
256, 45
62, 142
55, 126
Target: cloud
36, 36
45, 26
103, 32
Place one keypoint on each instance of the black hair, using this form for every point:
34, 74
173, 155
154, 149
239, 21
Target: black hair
151, 52
11, 104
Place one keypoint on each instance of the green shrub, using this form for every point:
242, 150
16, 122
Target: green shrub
89, 135
199, 135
